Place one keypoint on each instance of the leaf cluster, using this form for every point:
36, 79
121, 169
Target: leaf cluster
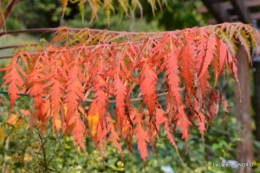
126, 7
101, 67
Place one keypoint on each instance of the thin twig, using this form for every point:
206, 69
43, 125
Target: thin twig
43, 152
5, 155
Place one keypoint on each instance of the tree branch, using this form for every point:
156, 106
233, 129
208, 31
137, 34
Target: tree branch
94, 30
8, 9
91, 100
17, 46
11, 56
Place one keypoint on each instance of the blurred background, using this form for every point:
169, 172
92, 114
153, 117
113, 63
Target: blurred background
27, 150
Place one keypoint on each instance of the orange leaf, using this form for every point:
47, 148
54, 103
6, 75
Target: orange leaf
188, 61
211, 50
79, 133
148, 81
142, 137
120, 92
93, 120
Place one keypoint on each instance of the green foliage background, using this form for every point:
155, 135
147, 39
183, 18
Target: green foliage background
31, 151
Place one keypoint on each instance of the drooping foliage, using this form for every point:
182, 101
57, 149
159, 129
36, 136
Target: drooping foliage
126, 7
103, 67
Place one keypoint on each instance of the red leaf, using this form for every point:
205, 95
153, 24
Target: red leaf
162, 43
172, 72
214, 103
113, 135
169, 136
120, 92
79, 133
142, 137
225, 105
100, 97
14, 80
211, 50
201, 46
160, 119
183, 123
222, 55
148, 81
201, 124
188, 61
73, 92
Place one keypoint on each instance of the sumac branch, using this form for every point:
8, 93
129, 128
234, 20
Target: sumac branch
106, 66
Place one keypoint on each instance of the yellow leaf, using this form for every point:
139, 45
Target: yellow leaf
2, 134
65, 107
27, 157
93, 123
12, 119
64, 6
57, 124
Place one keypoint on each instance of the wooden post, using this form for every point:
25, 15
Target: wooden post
256, 102
243, 113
